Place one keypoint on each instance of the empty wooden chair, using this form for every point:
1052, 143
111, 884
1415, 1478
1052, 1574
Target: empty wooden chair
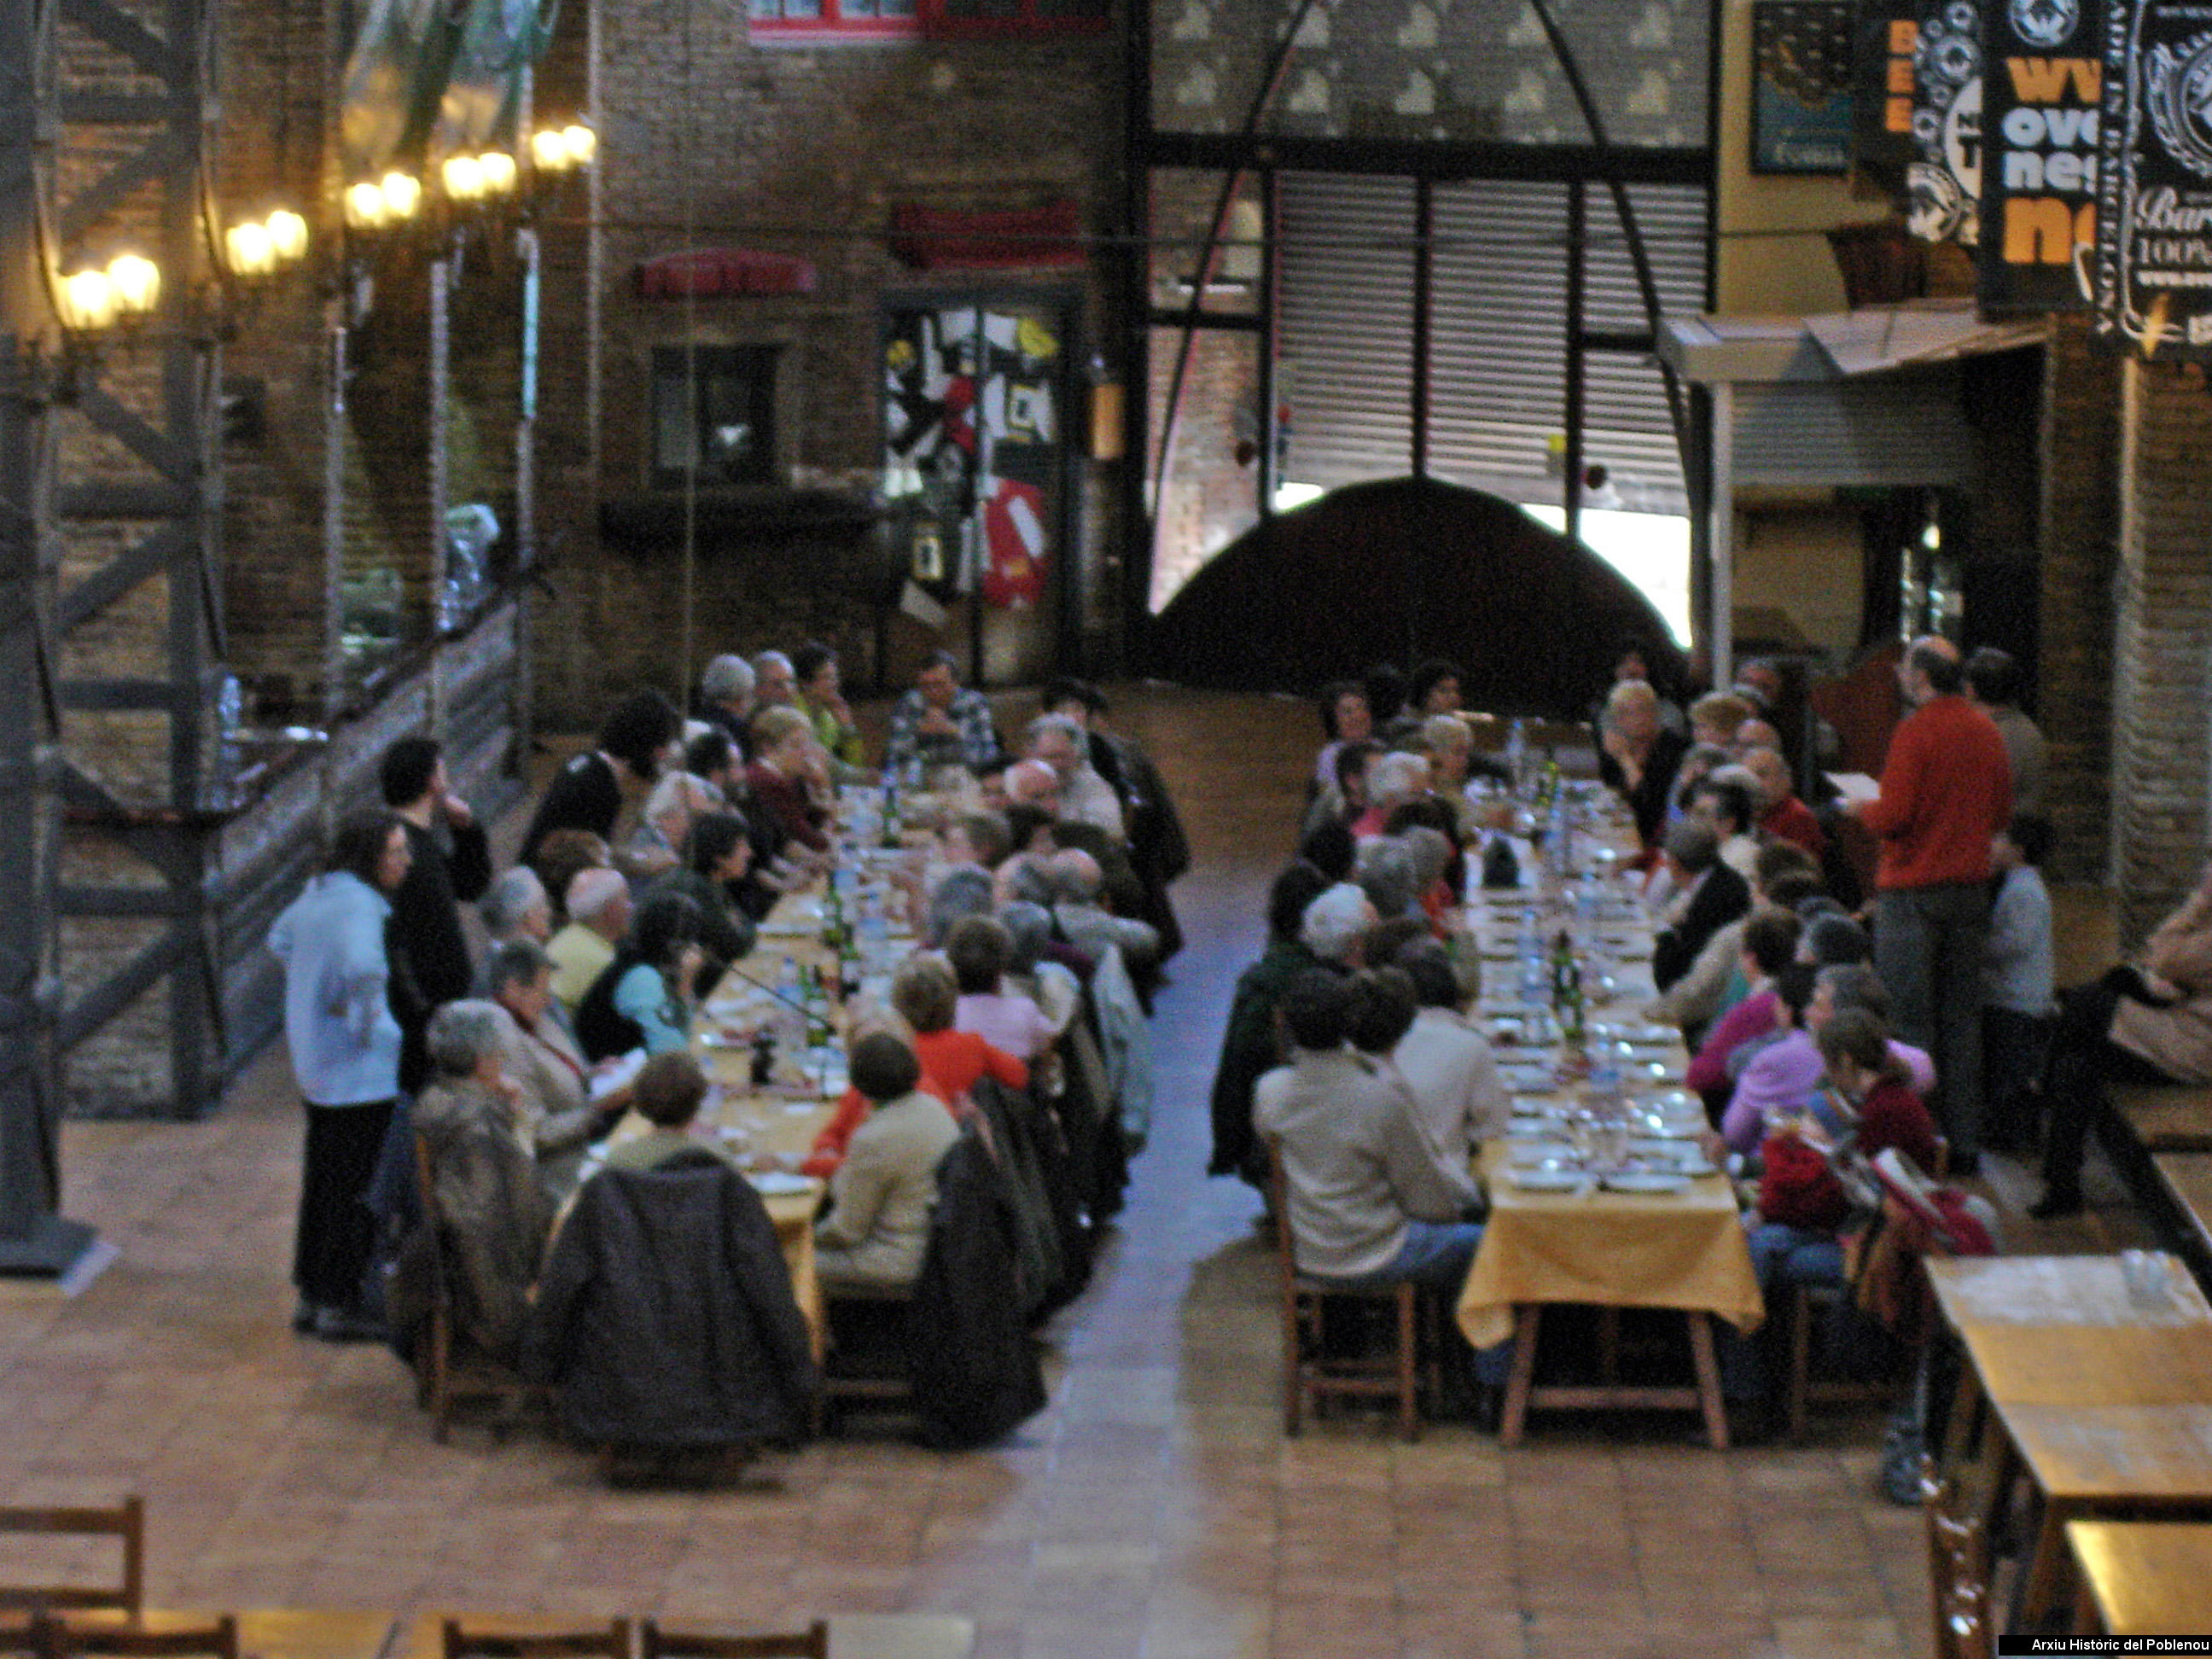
1309, 1369
812, 1642
126, 1522
217, 1639
607, 1641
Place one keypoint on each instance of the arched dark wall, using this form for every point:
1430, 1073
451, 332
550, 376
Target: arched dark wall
1403, 570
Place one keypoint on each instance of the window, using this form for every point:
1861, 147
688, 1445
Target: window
715, 411
811, 21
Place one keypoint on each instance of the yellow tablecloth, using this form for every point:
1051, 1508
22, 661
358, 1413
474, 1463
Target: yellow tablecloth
1615, 1249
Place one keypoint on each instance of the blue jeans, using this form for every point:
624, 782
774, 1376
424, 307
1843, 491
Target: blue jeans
1435, 1255
1783, 1256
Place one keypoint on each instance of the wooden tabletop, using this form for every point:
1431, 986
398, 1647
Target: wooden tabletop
2091, 1365
276, 1632
2055, 1290
2146, 1577
2088, 1455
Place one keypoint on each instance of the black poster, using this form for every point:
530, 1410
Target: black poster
1943, 186
2041, 92
2154, 261
1882, 146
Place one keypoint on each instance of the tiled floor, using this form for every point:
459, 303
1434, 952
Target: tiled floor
1155, 1509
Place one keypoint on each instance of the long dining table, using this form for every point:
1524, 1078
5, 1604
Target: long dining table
1614, 1208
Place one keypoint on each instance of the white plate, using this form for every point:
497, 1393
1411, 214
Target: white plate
1641, 1181
778, 1183
1546, 1181
1694, 1167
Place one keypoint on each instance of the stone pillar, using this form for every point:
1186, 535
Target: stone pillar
2161, 784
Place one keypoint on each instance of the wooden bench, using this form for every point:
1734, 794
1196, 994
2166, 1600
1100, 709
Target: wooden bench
2166, 1117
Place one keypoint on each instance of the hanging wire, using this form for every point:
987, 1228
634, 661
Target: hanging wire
697, 426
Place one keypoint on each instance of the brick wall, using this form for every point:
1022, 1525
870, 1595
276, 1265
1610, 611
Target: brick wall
803, 151
2162, 663
2078, 554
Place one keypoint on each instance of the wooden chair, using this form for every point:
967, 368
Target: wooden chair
443, 1381
1307, 1367
812, 1642
1957, 1571
607, 1641
1803, 1390
875, 1387
126, 1522
57, 1640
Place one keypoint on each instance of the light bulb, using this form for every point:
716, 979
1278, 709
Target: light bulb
252, 250
288, 234
403, 194
463, 177
366, 206
136, 282
549, 150
582, 142
497, 169
91, 299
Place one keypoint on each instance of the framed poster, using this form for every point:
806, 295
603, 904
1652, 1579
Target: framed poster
1801, 85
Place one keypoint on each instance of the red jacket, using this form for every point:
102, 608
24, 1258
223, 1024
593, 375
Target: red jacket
1945, 789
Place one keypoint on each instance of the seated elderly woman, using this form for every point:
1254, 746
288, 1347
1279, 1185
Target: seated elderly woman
979, 948
880, 1199
484, 1182
1032, 968
559, 1118
644, 997
927, 998
516, 906
1385, 872
788, 766
664, 823
1396, 778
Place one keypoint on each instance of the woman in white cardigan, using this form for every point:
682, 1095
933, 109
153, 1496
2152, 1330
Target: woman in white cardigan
882, 1195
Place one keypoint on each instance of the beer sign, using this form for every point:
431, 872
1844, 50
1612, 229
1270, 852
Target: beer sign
2042, 96
2153, 268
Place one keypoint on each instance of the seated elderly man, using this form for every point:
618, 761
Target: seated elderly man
725, 696
1370, 1202
776, 683
941, 722
1724, 799
1782, 816
1335, 924
1384, 867
559, 1118
1707, 894
1086, 923
599, 916
1032, 783
1061, 743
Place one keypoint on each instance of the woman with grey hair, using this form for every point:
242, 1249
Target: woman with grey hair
485, 1193
1052, 987
725, 696
1385, 871
559, 1118
517, 907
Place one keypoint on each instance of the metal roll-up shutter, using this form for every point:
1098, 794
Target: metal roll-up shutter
1906, 429
1498, 358
1498, 352
1344, 331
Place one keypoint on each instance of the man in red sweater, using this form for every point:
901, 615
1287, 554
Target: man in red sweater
1946, 791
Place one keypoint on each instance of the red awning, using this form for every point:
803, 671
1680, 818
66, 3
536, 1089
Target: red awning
708, 271
939, 239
